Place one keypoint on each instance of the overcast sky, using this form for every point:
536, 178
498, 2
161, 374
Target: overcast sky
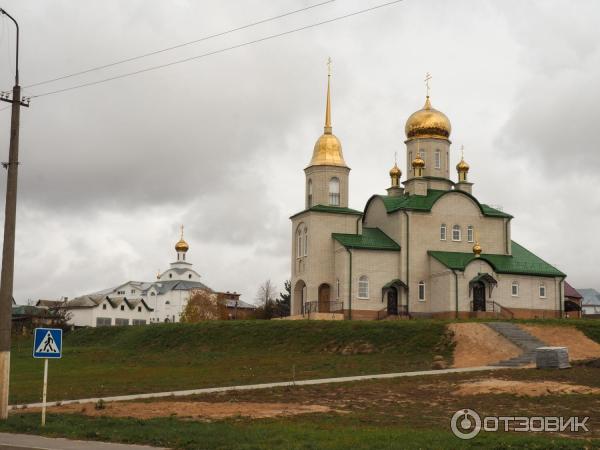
219, 144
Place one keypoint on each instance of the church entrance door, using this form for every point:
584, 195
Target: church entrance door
324, 291
392, 302
479, 296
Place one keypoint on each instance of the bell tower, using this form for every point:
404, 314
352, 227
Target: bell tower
327, 173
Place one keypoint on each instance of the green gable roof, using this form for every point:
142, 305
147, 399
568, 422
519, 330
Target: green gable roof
521, 262
330, 209
370, 239
426, 202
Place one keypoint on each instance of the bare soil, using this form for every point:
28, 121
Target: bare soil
193, 410
479, 345
521, 388
579, 345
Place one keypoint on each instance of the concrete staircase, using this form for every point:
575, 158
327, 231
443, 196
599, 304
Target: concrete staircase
521, 338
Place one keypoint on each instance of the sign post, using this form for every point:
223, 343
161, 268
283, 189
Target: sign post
47, 343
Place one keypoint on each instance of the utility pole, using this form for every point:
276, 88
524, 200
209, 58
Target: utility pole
8, 250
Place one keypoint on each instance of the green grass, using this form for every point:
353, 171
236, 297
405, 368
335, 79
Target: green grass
319, 432
99, 362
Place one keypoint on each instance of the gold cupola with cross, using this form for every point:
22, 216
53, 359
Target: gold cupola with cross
327, 172
181, 247
428, 144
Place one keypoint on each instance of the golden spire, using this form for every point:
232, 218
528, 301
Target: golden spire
328, 149
328, 128
181, 245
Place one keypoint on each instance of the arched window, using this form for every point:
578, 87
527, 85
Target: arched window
438, 159
309, 201
456, 233
470, 233
334, 191
305, 241
542, 290
363, 287
421, 291
443, 232
514, 289
299, 242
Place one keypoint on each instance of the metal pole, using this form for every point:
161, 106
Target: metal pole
44, 392
8, 251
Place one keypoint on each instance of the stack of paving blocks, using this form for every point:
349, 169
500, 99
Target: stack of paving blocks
552, 358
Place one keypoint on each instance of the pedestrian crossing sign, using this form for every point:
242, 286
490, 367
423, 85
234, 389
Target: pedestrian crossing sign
47, 343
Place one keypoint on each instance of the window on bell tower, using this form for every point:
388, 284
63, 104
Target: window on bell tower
438, 159
310, 195
334, 191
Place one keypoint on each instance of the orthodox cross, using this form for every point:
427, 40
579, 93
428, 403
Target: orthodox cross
462, 152
427, 78
329, 66
181, 231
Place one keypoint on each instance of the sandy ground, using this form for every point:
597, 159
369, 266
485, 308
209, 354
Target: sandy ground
193, 410
579, 345
479, 345
522, 388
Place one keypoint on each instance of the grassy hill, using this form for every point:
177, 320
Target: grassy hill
125, 360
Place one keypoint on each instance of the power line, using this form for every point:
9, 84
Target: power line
222, 50
156, 52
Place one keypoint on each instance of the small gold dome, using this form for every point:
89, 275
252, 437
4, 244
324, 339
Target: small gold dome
477, 249
182, 246
462, 166
328, 151
418, 162
395, 171
428, 123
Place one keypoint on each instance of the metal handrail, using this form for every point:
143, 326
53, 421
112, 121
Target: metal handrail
492, 306
330, 307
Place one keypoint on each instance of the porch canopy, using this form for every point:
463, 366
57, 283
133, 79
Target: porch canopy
484, 278
397, 283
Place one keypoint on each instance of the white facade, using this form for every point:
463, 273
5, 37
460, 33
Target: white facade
142, 302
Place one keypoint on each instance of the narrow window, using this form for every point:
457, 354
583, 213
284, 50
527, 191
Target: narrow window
309, 201
305, 241
421, 291
298, 243
104, 306
443, 232
542, 290
122, 307
139, 309
337, 285
438, 159
514, 289
334, 191
470, 233
456, 233
363, 287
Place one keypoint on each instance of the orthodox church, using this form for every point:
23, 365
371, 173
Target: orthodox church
146, 302
427, 248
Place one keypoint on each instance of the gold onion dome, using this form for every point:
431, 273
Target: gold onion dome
418, 162
462, 166
328, 148
395, 171
428, 123
181, 245
477, 249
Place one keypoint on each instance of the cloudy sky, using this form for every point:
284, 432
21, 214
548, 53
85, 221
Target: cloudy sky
108, 172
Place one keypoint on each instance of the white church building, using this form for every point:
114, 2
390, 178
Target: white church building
146, 302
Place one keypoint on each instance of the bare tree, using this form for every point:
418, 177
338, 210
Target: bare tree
265, 298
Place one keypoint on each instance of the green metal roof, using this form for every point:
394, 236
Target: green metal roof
426, 202
521, 262
370, 239
330, 209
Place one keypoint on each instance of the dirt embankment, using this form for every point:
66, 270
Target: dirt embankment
521, 388
479, 345
193, 410
579, 345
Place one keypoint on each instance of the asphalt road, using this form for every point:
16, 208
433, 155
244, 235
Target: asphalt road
10, 441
